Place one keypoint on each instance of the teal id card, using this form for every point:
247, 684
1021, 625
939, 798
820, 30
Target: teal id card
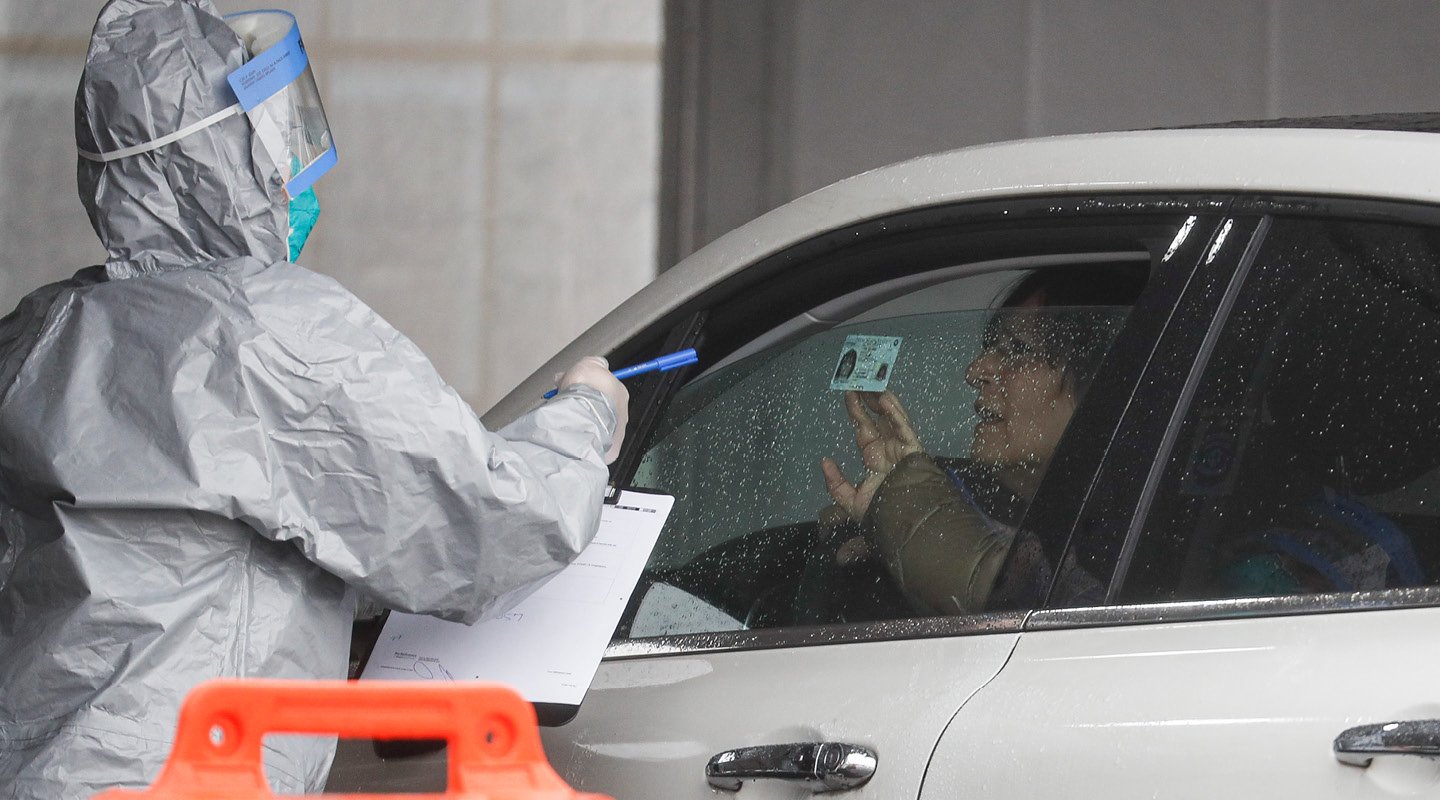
866, 363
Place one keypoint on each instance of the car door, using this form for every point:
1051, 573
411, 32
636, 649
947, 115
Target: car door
746, 651
1268, 524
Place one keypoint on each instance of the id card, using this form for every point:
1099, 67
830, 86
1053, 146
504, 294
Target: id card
866, 363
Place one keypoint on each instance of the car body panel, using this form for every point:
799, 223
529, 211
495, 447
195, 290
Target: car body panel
1226, 708
649, 725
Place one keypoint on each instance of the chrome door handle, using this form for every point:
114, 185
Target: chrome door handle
818, 766
1417, 737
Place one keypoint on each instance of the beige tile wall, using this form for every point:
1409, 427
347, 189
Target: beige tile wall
496, 189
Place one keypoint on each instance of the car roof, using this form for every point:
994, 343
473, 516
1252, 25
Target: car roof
1329, 156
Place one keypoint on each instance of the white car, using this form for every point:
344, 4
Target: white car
1217, 582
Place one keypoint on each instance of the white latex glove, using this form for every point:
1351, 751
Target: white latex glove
594, 372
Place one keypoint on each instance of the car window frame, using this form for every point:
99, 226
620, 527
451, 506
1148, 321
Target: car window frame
1205, 213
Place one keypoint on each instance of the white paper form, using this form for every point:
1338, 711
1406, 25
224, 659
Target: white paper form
549, 645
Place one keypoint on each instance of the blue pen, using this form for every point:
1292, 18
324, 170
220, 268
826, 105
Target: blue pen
662, 364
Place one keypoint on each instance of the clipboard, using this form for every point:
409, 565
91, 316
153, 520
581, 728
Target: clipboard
549, 645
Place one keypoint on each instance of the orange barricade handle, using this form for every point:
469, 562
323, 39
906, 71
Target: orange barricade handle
495, 750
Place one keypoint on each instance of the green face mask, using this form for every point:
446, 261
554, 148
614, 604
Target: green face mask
304, 213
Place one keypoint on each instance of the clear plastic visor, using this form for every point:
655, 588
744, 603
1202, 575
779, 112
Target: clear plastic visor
276, 88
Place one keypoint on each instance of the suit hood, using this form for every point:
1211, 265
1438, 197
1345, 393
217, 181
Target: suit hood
153, 68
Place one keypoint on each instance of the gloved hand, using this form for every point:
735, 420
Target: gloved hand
594, 372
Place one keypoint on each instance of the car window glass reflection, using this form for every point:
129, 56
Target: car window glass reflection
800, 503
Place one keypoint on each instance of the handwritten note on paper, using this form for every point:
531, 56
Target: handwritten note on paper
550, 644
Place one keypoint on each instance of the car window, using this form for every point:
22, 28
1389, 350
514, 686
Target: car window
1307, 461
964, 399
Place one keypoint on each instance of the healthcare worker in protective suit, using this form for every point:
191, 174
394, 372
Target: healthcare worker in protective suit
205, 450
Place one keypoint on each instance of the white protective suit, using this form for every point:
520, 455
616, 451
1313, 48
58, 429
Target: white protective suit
204, 450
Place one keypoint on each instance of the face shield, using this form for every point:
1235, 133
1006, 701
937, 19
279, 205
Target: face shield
276, 89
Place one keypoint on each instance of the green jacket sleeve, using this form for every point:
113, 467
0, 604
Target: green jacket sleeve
943, 552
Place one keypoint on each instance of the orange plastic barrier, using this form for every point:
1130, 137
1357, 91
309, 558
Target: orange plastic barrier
494, 751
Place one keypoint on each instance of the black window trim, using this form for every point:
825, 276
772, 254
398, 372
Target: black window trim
1182, 405
1238, 608
818, 635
